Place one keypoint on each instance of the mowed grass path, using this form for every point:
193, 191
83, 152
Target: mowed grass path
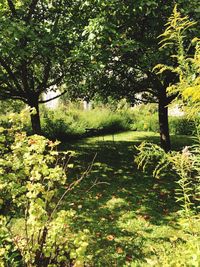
130, 215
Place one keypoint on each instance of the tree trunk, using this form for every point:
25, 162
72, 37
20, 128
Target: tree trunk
35, 117
163, 122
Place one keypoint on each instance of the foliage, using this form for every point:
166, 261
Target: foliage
152, 157
58, 124
122, 39
10, 106
38, 39
123, 45
72, 122
187, 67
107, 120
183, 165
183, 125
146, 119
33, 183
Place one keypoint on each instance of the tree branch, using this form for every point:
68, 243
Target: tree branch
12, 7
48, 100
145, 101
171, 98
43, 85
10, 73
32, 7
20, 98
8, 87
9, 93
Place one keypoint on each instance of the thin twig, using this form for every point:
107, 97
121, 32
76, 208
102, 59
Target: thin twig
72, 185
96, 183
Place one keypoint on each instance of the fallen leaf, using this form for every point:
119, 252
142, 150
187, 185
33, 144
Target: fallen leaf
119, 250
110, 237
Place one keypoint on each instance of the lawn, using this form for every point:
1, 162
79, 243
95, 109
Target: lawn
132, 218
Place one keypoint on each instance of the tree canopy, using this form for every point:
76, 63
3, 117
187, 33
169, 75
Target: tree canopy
88, 47
123, 39
36, 48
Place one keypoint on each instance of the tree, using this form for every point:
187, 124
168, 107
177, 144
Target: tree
123, 38
37, 39
183, 164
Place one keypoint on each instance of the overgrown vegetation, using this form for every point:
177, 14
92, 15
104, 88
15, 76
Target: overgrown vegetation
71, 121
34, 230
116, 216
183, 167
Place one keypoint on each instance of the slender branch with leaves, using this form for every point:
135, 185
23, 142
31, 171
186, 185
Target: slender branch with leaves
186, 66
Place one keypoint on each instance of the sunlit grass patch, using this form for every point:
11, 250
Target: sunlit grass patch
132, 217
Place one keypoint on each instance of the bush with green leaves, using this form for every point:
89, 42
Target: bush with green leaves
183, 126
107, 120
9, 106
145, 118
67, 124
35, 230
60, 124
183, 168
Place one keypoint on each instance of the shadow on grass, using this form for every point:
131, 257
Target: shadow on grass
177, 141
121, 206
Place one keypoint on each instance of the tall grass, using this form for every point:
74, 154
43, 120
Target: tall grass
72, 123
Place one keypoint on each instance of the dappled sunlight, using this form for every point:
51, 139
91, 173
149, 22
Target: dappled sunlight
124, 209
95, 168
115, 203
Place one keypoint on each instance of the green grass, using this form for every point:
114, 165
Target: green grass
132, 217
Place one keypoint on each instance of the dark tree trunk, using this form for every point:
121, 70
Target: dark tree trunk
35, 117
163, 121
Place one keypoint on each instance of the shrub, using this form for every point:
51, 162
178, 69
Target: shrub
184, 167
65, 124
146, 118
34, 230
106, 120
62, 124
182, 125
148, 122
9, 106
